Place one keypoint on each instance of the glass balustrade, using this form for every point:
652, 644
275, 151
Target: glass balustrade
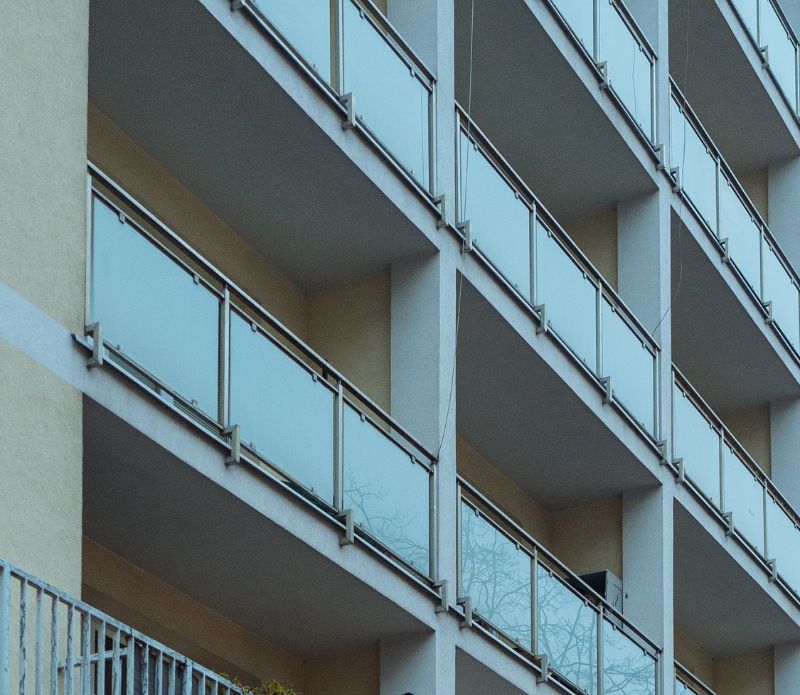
722, 204
748, 9
392, 91
515, 235
572, 626
166, 315
719, 469
605, 30
780, 49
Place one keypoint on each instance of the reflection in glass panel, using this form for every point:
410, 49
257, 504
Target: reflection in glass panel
631, 367
698, 169
499, 220
697, 443
579, 14
307, 26
748, 9
744, 496
388, 494
784, 544
280, 409
627, 668
566, 630
569, 297
153, 310
743, 235
390, 100
782, 292
496, 574
780, 51
629, 68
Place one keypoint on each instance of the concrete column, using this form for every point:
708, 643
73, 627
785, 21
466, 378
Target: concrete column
647, 569
44, 92
783, 205
785, 448
419, 664
787, 668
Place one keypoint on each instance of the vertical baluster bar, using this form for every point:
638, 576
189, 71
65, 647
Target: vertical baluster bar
69, 659
717, 195
338, 453
23, 637
39, 657
433, 523
534, 299
599, 326
187, 679
86, 645
535, 601
100, 689
145, 675
722, 500
54, 628
159, 673
224, 358
338, 46
601, 686
5, 609
173, 674
596, 31
116, 666
201, 690
130, 664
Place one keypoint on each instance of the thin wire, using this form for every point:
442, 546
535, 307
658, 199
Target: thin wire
682, 169
464, 181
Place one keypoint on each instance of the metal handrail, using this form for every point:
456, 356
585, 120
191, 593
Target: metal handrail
635, 28
516, 533
689, 679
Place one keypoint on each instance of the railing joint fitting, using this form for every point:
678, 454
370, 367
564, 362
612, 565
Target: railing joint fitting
608, 392
237, 5
468, 245
728, 517
466, 603
349, 102
773, 570
544, 668
678, 463
444, 599
768, 307
440, 201
675, 173
603, 68
95, 330
541, 309
726, 250
349, 537
234, 435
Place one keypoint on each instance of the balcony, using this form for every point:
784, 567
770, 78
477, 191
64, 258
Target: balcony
755, 274
50, 642
518, 594
241, 112
688, 684
598, 123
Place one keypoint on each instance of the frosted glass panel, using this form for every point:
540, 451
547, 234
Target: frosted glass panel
567, 630
780, 51
153, 310
749, 11
627, 668
307, 26
281, 410
781, 291
744, 496
391, 101
697, 443
496, 574
743, 235
784, 544
570, 299
389, 495
499, 220
579, 14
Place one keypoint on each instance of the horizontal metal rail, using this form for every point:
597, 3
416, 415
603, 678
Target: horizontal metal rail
691, 681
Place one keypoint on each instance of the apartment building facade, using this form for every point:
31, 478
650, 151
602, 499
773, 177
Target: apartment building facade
432, 346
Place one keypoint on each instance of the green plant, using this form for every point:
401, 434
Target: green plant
273, 687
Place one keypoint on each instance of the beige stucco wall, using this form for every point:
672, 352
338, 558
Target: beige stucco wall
162, 612
694, 658
745, 674
43, 92
596, 235
502, 491
153, 186
351, 327
356, 673
756, 185
588, 538
41, 458
752, 428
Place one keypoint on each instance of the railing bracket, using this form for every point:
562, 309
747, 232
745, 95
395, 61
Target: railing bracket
770, 316
542, 311
773, 570
726, 250
678, 463
662, 450
349, 537
675, 173
234, 435
603, 68
440, 201
728, 517
443, 588
764, 50
469, 243
96, 331
466, 603
237, 5
349, 102
544, 669
608, 393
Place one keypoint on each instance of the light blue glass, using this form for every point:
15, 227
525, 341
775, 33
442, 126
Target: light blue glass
631, 367
390, 100
744, 496
782, 292
499, 220
682, 689
280, 409
570, 299
567, 630
743, 235
784, 544
307, 25
579, 14
698, 168
154, 311
627, 668
780, 51
496, 574
697, 443
748, 9
629, 68
389, 495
